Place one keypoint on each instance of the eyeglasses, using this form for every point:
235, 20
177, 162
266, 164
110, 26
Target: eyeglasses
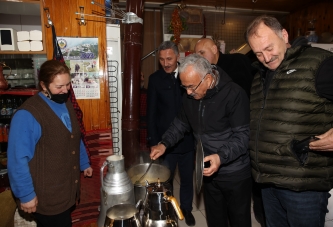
195, 88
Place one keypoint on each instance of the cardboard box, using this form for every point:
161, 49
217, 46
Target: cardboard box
23, 36
36, 45
36, 35
23, 46
326, 46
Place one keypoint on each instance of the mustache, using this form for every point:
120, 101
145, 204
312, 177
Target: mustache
191, 96
272, 59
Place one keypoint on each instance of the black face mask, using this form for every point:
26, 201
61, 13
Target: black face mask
58, 98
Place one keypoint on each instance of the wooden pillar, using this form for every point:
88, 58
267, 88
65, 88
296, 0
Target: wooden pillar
131, 98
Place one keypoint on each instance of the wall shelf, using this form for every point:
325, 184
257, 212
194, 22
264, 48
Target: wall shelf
23, 52
28, 1
13, 12
19, 92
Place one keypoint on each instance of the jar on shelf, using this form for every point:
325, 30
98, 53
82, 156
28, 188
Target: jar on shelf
311, 34
312, 37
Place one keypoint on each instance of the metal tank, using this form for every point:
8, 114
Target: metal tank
116, 186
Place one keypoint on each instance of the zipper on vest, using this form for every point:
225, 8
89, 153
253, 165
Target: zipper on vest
264, 81
258, 125
257, 136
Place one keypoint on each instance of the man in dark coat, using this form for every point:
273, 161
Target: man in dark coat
164, 100
217, 111
237, 66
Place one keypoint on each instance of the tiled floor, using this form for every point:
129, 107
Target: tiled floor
198, 211
200, 215
198, 207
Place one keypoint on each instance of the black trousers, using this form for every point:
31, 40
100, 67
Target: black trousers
228, 200
185, 163
63, 219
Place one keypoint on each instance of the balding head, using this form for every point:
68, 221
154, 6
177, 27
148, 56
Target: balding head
208, 49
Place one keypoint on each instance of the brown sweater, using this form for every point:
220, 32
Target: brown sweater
55, 167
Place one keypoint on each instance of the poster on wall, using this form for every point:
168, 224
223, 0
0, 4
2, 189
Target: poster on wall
81, 56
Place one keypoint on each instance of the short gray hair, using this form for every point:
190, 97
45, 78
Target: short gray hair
200, 64
269, 21
168, 45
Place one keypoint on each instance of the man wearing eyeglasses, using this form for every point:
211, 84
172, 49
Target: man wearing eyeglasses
239, 68
164, 100
217, 111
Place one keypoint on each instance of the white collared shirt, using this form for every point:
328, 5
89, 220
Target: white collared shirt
176, 72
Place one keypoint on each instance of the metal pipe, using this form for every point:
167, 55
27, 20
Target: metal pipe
131, 99
169, 3
143, 58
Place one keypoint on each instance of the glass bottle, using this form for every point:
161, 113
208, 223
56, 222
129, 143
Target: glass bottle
9, 108
20, 102
3, 111
312, 37
14, 106
1, 133
5, 132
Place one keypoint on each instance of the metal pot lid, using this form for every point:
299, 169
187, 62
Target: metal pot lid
121, 211
199, 165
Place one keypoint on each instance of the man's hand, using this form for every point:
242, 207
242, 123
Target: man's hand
88, 172
157, 151
215, 163
325, 142
31, 206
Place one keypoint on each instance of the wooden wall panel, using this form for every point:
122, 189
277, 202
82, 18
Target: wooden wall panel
152, 38
62, 12
97, 112
322, 12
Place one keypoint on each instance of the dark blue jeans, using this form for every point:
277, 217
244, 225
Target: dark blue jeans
286, 208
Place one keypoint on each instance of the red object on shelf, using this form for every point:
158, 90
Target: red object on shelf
187, 53
3, 81
19, 92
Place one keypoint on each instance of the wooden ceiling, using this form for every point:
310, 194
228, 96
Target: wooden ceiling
255, 5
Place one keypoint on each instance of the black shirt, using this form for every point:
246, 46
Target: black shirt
239, 68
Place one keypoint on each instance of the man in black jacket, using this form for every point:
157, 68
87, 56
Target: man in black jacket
237, 66
164, 100
217, 110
